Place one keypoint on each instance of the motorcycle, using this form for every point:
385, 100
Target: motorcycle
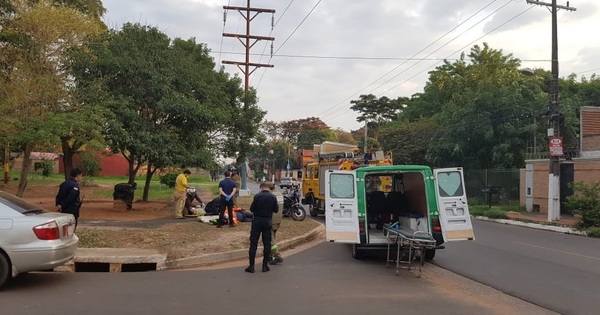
291, 205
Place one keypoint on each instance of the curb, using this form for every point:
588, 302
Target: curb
209, 259
559, 229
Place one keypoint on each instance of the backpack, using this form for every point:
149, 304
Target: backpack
212, 207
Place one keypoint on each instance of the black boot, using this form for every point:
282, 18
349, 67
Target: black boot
265, 268
250, 269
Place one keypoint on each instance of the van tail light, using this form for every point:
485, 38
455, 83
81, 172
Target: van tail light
437, 227
361, 226
47, 231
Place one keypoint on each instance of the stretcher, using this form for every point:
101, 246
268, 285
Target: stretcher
409, 244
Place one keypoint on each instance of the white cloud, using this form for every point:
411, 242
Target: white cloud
301, 87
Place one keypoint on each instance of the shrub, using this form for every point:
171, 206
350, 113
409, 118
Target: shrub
586, 202
47, 166
593, 232
91, 165
168, 179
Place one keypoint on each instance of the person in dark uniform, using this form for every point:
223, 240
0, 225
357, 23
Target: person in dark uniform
263, 206
68, 197
226, 190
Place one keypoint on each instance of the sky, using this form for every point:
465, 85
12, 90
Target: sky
329, 52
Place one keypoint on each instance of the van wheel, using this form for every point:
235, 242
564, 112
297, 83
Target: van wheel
357, 253
4, 270
429, 254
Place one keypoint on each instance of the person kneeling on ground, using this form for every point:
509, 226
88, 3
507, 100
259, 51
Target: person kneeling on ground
189, 202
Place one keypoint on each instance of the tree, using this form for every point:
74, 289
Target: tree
304, 133
483, 107
36, 38
376, 111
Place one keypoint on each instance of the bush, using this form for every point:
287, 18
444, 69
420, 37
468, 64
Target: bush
168, 179
586, 202
91, 165
47, 166
593, 232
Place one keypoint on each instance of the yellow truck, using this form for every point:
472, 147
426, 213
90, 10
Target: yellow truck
336, 156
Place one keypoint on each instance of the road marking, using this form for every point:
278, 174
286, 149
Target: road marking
556, 250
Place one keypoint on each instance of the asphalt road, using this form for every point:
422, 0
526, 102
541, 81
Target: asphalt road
556, 271
323, 279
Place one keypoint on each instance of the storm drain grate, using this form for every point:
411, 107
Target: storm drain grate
113, 267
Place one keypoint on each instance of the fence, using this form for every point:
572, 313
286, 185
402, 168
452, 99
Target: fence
493, 186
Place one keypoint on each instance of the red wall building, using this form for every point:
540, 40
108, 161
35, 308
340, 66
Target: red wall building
110, 164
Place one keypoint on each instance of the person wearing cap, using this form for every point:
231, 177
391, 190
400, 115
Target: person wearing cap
275, 222
189, 201
181, 185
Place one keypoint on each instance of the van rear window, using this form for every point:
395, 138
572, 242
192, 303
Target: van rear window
341, 186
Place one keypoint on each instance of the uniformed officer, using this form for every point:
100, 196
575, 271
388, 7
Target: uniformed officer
68, 199
263, 206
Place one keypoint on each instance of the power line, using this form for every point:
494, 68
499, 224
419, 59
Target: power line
270, 33
222, 38
457, 51
470, 17
286, 40
350, 58
297, 27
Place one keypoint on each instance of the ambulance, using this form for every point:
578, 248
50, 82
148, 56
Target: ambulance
416, 197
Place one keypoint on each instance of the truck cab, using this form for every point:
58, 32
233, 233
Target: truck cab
358, 203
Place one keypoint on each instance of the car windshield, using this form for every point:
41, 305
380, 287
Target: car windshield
18, 204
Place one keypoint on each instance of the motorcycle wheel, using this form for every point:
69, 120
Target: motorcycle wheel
298, 212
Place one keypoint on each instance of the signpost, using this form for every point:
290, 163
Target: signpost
556, 146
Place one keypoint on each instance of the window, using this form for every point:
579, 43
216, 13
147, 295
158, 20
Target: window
450, 184
341, 186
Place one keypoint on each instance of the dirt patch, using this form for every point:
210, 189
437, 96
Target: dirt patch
151, 225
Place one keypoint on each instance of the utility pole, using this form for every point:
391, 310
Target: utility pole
556, 117
246, 14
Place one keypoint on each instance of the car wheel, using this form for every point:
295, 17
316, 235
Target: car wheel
4, 270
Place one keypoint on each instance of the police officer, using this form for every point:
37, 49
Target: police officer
68, 197
275, 254
263, 206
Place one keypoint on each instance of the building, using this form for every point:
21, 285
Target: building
585, 167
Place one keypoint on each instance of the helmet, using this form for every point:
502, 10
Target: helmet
191, 190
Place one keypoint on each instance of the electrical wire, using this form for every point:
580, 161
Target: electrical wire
343, 102
223, 37
288, 38
270, 33
457, 51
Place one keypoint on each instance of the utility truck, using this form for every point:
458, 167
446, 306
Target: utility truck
333, 156
417, 198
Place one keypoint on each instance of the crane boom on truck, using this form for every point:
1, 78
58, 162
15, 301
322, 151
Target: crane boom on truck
335, 156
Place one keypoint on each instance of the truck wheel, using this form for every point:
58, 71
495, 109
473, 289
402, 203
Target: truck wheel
429, 254
4, 270
313, 211
357, 253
